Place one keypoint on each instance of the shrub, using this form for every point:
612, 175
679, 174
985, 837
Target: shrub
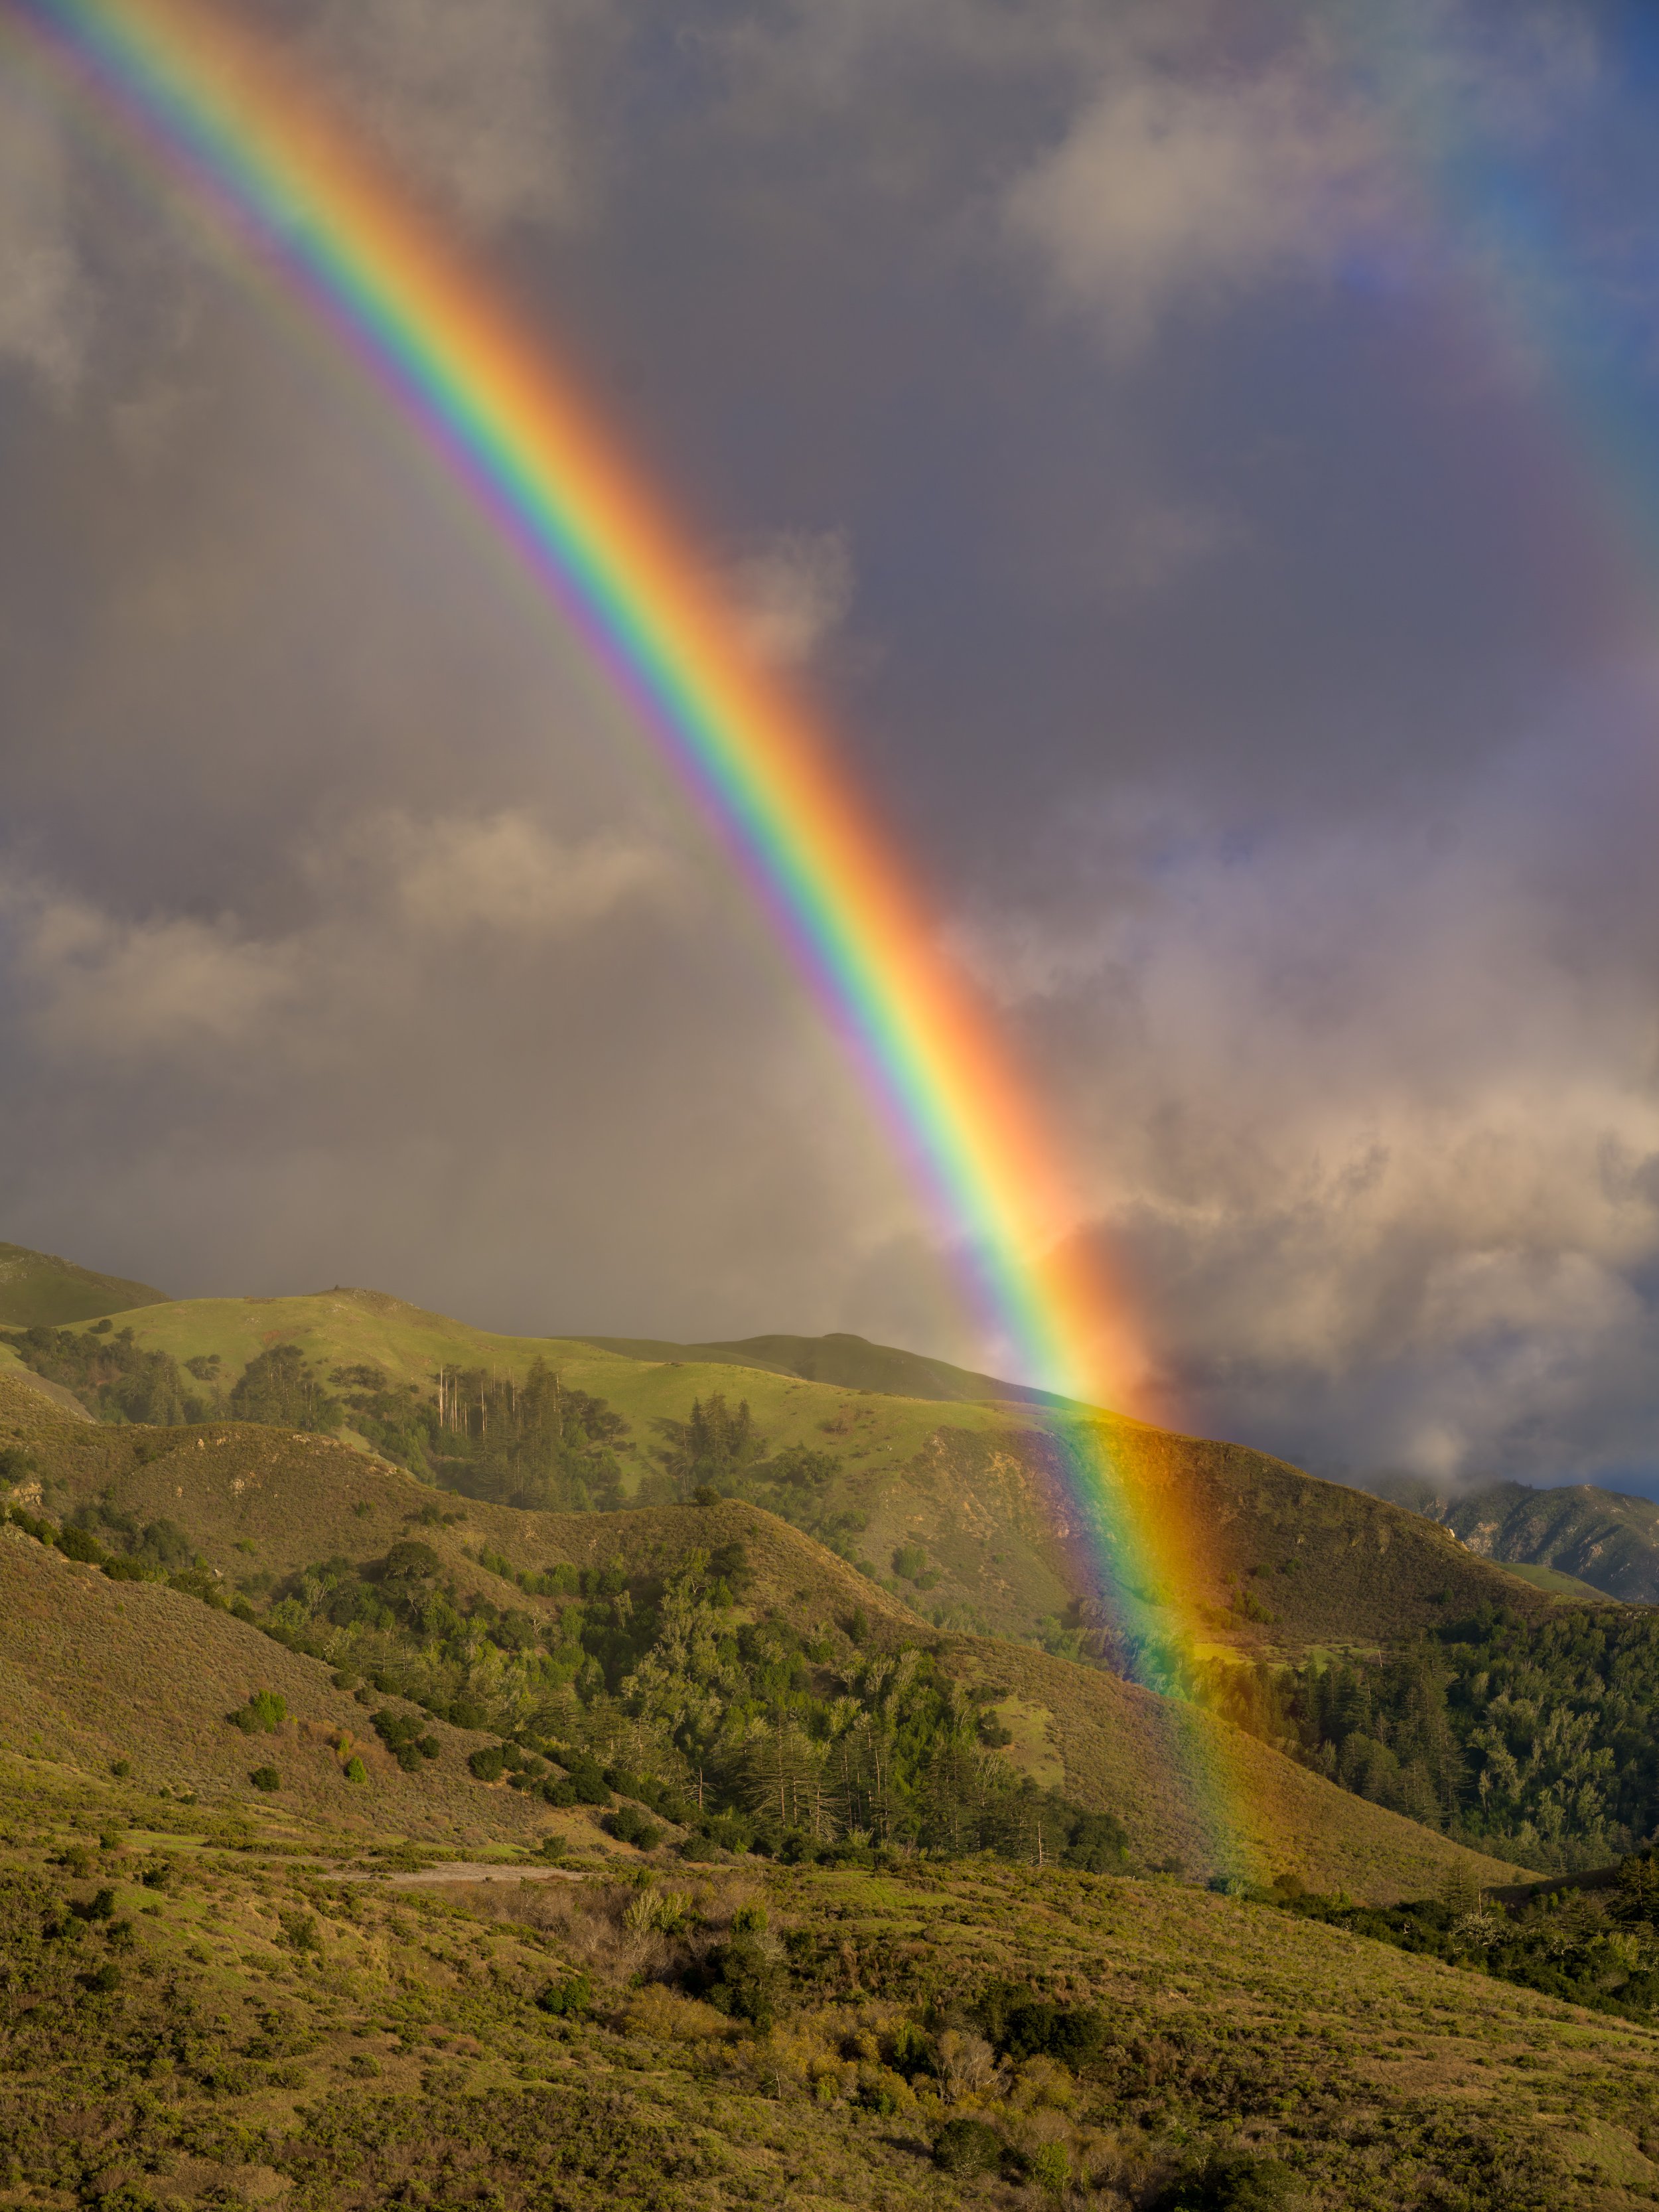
1051, 2169
487, 1764
1097, 1842
128, 1570
265, 1778
630, 1826
404, 1738
77, 1544
120, 1768
741, 1979
355, 1768
102, 1979
263, 1715
967, 2146
1233, 2182
568, 1998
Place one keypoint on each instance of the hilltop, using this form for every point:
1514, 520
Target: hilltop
964, 1508
1601, 1538
852, 1363
39, 1289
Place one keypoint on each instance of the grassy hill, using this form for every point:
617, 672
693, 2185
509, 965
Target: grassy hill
257, 1506
37, 1290
852, 1363
1601, 1538
202, 2010
973, 1502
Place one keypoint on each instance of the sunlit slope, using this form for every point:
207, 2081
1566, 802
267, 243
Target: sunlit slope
1192, 1787
852, 1362
981, 1488
92, 1672
265, 1501
402, 2055
39, 1289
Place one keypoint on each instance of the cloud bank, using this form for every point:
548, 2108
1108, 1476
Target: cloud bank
1112, 420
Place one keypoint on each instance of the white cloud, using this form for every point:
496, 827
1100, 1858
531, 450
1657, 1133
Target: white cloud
386, 891
1170, 193
1376, 1142
111, 989
506, 874
790, 592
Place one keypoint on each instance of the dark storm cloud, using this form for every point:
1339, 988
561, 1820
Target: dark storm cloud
1106, 412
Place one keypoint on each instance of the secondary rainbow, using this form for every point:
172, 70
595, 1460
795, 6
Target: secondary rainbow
244, 128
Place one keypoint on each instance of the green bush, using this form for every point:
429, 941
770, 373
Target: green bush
966, 2146
263, 1715
1235, 2181
355, 1768
489, 1764
568, 1998
630, 1826
265, 1778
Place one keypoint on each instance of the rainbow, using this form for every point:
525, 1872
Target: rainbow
231, 116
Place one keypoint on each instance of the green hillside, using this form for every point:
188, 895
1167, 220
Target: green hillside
967, 1513
37, 1290
251, 1514
1600, 1537
364, 1842
1568, 1587
199, 2011
852, 1363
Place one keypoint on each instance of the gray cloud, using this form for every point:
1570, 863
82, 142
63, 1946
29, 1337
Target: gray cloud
1257, 689
487, 103
46, 306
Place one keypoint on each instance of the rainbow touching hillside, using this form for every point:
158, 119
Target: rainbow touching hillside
203, 101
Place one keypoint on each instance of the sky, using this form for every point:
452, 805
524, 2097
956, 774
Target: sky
1199, 459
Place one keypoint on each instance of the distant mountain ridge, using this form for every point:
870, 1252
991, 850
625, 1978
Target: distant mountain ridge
1602, 1537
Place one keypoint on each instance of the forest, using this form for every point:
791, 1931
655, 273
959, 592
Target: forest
1535, 1741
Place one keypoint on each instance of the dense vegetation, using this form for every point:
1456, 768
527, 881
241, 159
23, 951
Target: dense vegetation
1536, 1739
757, 1733
1596, 1947
212, 2016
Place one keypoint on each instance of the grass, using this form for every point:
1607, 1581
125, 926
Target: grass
1553, 1583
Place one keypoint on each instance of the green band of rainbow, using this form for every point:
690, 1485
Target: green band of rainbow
206, 98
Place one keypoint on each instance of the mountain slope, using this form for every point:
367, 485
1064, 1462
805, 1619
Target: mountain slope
852, 1363
1602, 1537
259, 1504
37, 1290
243, 2026
976, 1502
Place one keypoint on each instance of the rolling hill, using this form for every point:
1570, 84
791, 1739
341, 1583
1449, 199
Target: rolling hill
257, 1505
1600, 1537
852, 1363
37, 1290
972, 1499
